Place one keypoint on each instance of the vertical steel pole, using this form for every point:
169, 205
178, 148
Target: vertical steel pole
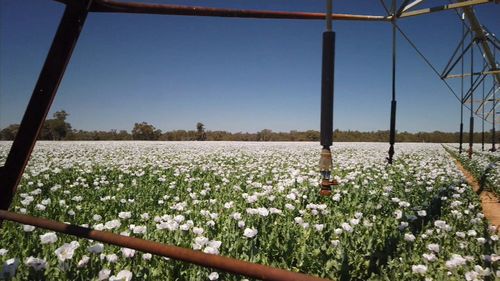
392, 132
471, 125
493, 137
460, 149
482, 119
46, 87
327, 94
493, 132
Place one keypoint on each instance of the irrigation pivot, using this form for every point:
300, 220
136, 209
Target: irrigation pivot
66, 38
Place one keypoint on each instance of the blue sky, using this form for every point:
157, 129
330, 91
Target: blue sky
233, 74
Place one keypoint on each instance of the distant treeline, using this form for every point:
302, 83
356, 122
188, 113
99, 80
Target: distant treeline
58, 129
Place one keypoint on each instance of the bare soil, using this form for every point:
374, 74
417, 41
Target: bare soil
489, 202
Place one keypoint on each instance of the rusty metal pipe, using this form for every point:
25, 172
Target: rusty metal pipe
110, 6
226, 264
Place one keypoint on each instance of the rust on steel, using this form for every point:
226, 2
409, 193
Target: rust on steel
43, 94
226, 264
110, 6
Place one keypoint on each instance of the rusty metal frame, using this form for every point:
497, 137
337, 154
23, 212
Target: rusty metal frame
111, 6
60, 52
226, 264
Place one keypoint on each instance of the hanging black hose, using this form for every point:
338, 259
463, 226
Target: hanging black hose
327, 89
471, 125
326, 130
392, 132
461, 133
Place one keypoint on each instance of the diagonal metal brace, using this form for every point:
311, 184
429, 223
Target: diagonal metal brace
45, 90
446, 70
479, 79
449, 67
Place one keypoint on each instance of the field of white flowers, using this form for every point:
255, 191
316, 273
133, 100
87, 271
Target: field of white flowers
414, 220
484, 165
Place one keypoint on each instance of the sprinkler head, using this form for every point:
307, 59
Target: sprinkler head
325, 192
325, 164
326, 185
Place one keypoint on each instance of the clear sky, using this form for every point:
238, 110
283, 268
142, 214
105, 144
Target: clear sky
233, 74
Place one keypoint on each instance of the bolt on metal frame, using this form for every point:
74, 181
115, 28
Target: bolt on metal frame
52, 72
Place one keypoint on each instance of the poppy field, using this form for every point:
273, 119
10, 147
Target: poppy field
414, 220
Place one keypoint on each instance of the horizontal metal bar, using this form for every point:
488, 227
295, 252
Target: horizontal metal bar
485, 100
458, 59
444, 8
474, 86
495, 102
468, 74
110, 6
226, 264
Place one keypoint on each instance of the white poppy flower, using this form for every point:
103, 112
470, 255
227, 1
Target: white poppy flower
83, 262
433, 247
66, 251
128, 253
250, 232
104, 274
213, 276
112, 258
48, 238
419, 269
123, 275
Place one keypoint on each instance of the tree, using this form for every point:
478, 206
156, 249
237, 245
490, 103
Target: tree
57, 128
60, 115
145, 131
200, 132
9, 132
264, 135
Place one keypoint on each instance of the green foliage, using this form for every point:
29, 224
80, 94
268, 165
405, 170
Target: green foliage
9, 132
359, 233
484, 166
56, 128
59, 129
145, 131
200, 132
